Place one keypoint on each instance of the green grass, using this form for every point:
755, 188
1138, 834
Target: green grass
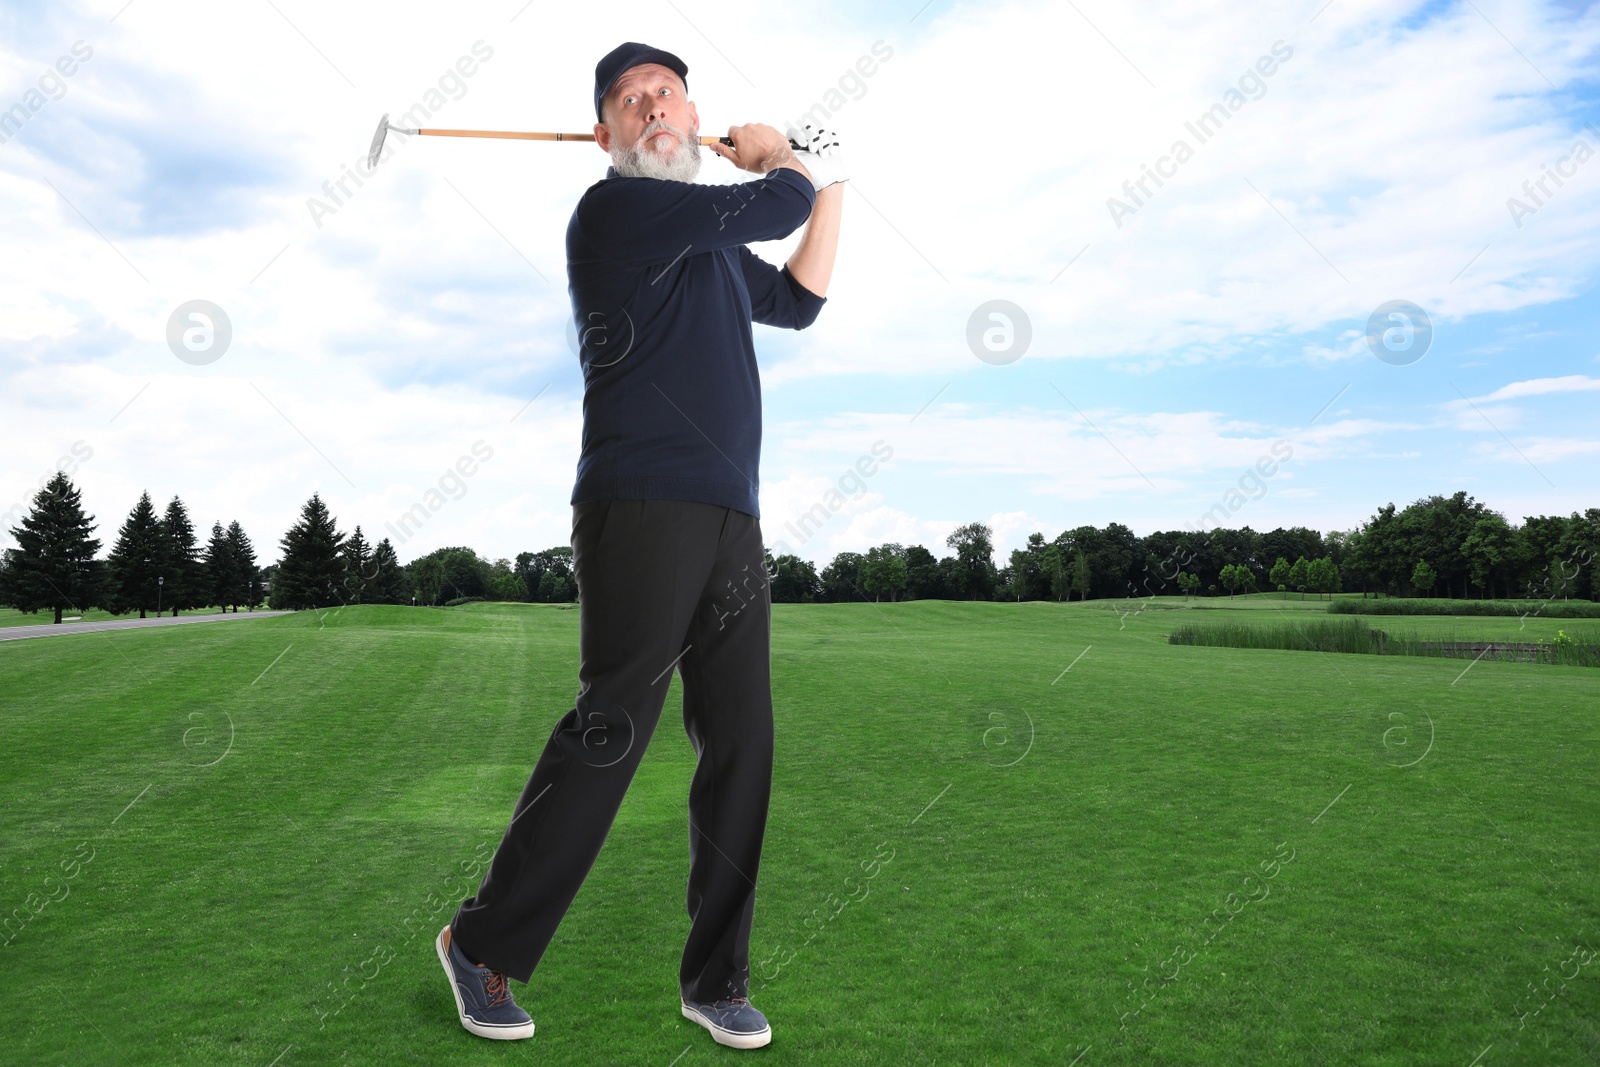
1222, 602
1441, 829
1165, 612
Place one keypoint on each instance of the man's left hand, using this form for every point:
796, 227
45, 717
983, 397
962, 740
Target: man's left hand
820, 153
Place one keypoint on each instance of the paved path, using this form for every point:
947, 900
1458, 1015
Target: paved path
18, 633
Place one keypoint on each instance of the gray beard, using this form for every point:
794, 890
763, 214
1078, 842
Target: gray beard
636, 161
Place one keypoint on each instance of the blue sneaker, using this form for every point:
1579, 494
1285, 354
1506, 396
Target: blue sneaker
733, 1022
483, 996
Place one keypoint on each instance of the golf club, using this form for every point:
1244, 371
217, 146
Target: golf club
384, 126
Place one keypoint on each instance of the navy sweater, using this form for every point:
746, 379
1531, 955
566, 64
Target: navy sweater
663, 293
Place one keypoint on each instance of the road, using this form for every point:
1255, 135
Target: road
18, 633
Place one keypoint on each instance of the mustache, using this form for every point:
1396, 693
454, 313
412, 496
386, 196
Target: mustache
658, 125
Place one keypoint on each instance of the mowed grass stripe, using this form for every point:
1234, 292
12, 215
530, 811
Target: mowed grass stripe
1008, 927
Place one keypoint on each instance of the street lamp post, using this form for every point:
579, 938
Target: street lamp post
160, 581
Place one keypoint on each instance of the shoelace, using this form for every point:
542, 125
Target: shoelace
496, 986
499, 990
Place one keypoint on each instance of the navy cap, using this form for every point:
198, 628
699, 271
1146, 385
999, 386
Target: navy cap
626, 55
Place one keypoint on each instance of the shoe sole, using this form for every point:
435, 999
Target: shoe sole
497, 1033
729, 1037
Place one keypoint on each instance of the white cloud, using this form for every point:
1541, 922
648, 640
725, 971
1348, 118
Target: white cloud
1571, 383
1488, 413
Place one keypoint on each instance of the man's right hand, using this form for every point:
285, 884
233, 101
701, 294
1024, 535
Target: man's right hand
759, 148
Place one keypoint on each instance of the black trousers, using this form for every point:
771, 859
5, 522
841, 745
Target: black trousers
662, 584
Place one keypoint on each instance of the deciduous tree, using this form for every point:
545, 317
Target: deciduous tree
1279, 576
1424, 576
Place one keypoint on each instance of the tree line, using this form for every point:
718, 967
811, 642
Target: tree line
157, 565
1443, 545
1449, 546
323, 567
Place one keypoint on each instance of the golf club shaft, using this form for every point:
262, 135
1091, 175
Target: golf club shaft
521, 136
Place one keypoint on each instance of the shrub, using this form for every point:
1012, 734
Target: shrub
1549, 609
1314, 635
1353, 635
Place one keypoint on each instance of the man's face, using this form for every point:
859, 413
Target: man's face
651, 129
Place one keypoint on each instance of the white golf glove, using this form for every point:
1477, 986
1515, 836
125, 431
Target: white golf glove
819, 153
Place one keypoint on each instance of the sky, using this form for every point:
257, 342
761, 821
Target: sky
1100, 262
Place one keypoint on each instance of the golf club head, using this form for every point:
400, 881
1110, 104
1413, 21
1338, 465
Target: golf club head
377, 141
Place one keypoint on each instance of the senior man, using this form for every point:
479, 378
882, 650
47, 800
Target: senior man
666, 542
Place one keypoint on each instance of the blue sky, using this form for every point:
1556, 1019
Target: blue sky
1172, 344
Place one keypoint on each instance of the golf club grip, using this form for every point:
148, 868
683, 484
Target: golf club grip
729, 142
520, 136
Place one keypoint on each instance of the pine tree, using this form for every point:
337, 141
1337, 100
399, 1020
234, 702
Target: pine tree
389, 580
217, 567
53, 566
312, 571
137, 561
244, 576
358, 569
185, 586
